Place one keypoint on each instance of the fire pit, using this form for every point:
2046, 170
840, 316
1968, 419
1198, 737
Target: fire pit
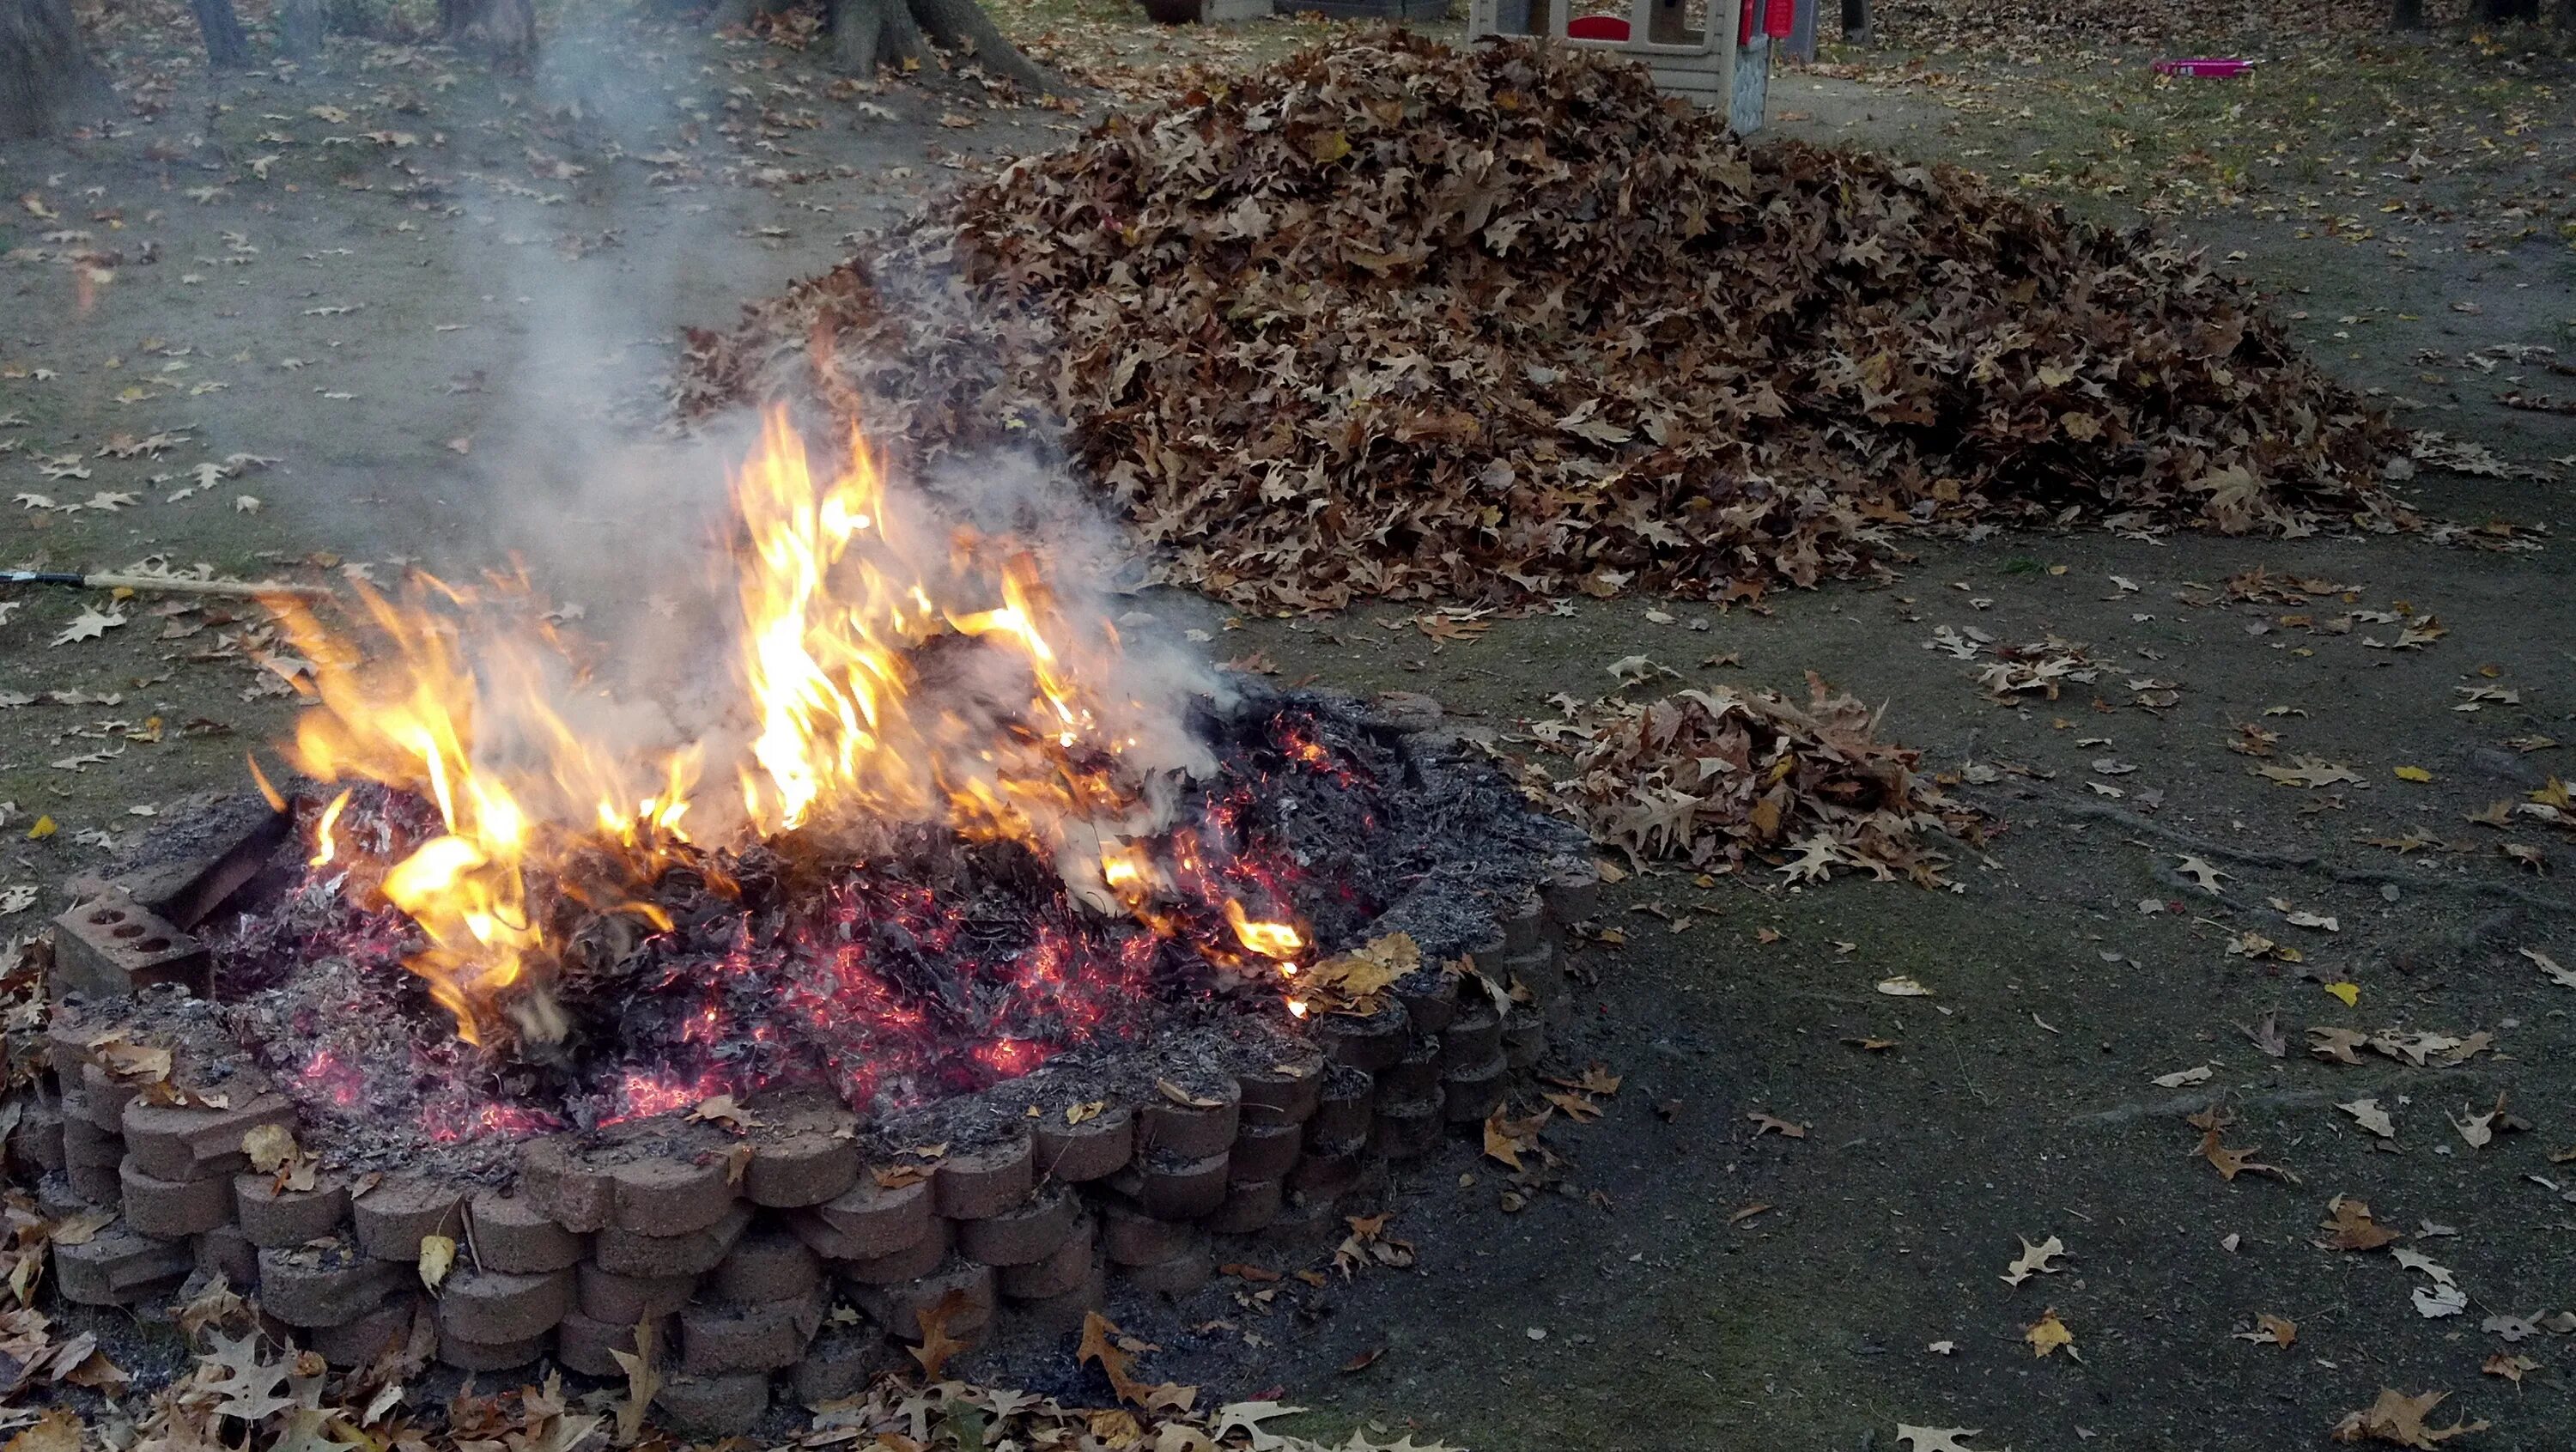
983, 952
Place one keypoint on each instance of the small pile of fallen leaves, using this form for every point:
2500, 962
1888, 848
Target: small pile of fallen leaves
1391, 319
1712, 776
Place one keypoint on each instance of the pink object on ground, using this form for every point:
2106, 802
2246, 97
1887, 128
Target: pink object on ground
2212, 66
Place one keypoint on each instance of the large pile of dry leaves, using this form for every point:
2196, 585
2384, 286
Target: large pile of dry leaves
1712, 776
1394, 319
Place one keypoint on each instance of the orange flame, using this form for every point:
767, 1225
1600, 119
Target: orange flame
323, 847
462, 700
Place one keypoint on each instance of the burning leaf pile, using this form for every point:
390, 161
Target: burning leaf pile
1715, 776
1393, 320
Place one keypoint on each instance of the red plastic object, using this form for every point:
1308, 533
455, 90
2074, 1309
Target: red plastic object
1596, 27
2213, 67
1780, 19
1744, 26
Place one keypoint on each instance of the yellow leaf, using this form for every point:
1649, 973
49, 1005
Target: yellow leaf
437, 1257
2350, 993
2413, 773
2048, 1333
1328, 148
43, 829
269, 1146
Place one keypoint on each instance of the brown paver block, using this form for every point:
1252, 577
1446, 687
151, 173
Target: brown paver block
769, 1263
1076, 1153
360, 1340
665, 1195
1183, 1189
225, 1251
1177, 1276
898, 1307
1345, 1110
1524, 924
916, 1259
495, 1307
1028, 1231
625, 1300
1133, 1237
1058, 1272
513, 1234
170, 1209
1065, 1311
36, 1147
1265, 1151
1282, 1093
868, 1220
273, 1218
584, 1343
1407, 1130
1190, 1131
1572, 895
1249, 1205
85, 1143
841, 1362
1472, 1093
173, 1143
695, 1253
1471, 1038
103, 1097
94, 1184
466, 1355
1430, 1000
120, 1267
972, 1184
392, 1218
719, 1339
554, 1173
326, 1283
714, 1406
1524, 1037
1327, 1169
802, 1154
1414, 1075
1369, 1043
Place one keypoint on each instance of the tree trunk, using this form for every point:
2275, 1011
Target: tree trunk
506, 28
226, 45
2495, 12
870, 33
2409, 15
299, 27
43, 70
1856, 26
963, 25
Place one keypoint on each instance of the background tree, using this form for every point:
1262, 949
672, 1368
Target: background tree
2409, 15
226, 45
300, 24
870, 33
44, 72
507, 28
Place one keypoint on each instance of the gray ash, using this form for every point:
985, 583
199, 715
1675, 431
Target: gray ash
908, 981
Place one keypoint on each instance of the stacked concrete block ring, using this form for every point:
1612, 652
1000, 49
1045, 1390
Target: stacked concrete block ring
794, 1256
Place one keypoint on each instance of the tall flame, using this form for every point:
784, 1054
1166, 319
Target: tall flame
839, 593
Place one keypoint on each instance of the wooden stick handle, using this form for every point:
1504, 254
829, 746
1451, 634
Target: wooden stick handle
182, 585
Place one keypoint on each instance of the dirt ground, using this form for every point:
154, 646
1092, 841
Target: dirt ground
426, 302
